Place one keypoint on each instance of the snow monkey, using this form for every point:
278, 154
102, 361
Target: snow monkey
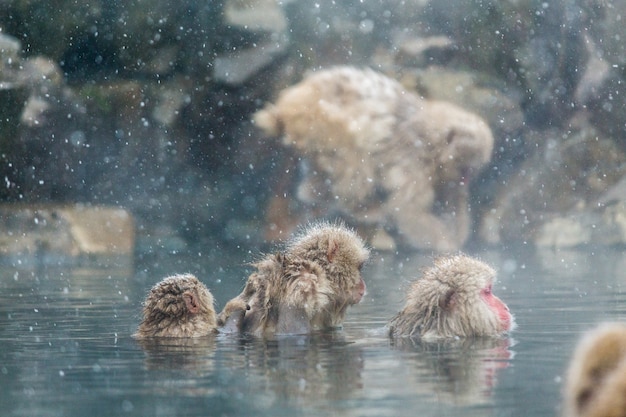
307, 287
453, 298
596, 379
178, 306
381, 155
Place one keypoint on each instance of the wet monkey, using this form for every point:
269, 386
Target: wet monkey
178, 306
308, 286
596, 379
453, 298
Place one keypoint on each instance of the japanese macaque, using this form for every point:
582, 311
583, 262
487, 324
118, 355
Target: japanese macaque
453, 299
178, 306
381, 155
596, 379
307, 287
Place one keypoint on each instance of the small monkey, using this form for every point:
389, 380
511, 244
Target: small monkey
178, 306
453, 299
382, 155
596, 378
307, 287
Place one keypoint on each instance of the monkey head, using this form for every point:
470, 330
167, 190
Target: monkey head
340, 252
466, 140
453, 298
178, 306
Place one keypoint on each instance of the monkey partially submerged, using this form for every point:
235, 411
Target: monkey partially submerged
596, 378
178, 306
381, 155
453, 299
307, 287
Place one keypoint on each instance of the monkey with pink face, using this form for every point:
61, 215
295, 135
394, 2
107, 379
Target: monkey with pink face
453, 298
308, 286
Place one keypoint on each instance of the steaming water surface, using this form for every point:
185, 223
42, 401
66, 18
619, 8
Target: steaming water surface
66, 350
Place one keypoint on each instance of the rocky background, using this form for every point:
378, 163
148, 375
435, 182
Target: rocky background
147, 104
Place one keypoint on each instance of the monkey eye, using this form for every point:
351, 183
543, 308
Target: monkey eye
487, 291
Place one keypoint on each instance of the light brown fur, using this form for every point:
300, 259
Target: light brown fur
452, 299
307, 287
178, 306
596, 379
381, 154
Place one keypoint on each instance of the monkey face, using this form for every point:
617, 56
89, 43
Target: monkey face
359, 288
346, 257
358, 292
498, 308
472, 302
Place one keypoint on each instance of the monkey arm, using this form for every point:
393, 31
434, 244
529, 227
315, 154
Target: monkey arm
230, 320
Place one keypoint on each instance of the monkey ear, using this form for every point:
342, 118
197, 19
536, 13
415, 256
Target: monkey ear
447, 301
191, 302
333, 246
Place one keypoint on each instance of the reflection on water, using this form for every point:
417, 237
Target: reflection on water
461, 372
66, 348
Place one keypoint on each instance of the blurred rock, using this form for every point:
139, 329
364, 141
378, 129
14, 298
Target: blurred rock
607, 106
608, 29
563, 232
10, 51
553, 197
254, 15
65, 232
50, 153
12, 91
171, 99
44, 80
597, 70
536, 46
238, 67
604, 225
423, 51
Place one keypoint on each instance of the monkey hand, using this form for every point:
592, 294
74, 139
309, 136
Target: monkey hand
231, 318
